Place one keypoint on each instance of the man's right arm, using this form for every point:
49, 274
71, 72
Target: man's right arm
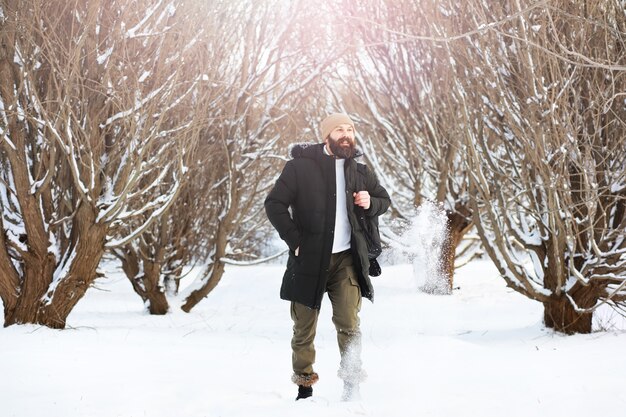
277, 203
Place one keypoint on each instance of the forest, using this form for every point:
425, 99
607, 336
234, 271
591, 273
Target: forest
151, 131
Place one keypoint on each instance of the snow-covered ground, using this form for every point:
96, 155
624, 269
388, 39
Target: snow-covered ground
480, 352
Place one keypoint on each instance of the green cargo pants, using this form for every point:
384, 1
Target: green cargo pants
345, 297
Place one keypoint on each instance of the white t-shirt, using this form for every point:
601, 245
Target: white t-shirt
343, 232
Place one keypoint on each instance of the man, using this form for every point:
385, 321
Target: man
314, 207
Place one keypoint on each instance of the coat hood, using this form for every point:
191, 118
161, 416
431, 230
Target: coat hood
312, 150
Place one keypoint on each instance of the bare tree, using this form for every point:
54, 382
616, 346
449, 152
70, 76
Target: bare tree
250, 94
546, 141
402, 89
154, 262
86, 94
267, 76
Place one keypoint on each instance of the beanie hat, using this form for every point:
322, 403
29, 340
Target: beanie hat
332, 121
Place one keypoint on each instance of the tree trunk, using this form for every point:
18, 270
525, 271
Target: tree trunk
217, 270
37, 277
49, 305
158, 303
91, 238
145, 284
558, 314
9, 278
154, 294
458, 226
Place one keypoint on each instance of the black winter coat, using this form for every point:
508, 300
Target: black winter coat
307, 187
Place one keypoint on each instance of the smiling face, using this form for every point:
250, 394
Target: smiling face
340, 142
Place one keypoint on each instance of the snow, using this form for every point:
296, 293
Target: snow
139, 103
144, 76
102, 58
6, 138
60, 273
618, 186
422, 242
164, 200
481, 351
132, 33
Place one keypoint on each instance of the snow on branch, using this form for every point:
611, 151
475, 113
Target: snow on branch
132, 32
138, 105
165, 201
254, 262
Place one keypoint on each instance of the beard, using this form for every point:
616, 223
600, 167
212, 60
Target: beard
341, 151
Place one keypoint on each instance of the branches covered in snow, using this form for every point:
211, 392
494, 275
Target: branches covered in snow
264, 85
547, 157
92, 149
401, 92
513, 112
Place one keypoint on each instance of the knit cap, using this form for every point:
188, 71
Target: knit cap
332, 121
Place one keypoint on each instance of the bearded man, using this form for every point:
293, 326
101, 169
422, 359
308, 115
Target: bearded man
315, 206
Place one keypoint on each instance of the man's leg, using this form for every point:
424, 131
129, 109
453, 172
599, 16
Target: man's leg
345, 296
303, 349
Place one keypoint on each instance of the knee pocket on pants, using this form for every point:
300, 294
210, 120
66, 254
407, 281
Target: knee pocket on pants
354, 282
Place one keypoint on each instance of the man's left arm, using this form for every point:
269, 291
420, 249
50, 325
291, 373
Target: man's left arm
379, 198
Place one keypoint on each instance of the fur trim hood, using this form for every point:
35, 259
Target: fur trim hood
312, 150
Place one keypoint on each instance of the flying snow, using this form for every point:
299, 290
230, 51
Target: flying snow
422, 240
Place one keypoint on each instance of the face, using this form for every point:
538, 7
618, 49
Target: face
341, 141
